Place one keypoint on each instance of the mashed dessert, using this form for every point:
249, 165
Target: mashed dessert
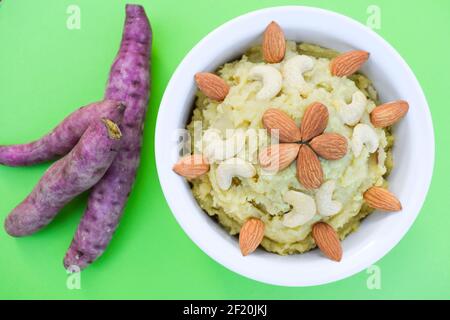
324, 168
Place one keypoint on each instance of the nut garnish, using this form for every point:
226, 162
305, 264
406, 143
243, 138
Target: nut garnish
234, 167
327, 240
382, 199
303, 209
274, 43
352, 113
251, 235
191, 166
387, 114
274, 119
364, 135
278, 156
212, 86
294, 68
315, 120
326, 206
271, 79
348, 63
330, 146
215, 148
309, 169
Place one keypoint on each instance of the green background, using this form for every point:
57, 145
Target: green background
47, 71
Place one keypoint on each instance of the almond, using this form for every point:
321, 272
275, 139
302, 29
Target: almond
381, 199
278, 156
309, 170
274, 43
348, 63
327, 240
251, 235
389, 113
330, 146
191, 166
274, 119
314, 121
212, 86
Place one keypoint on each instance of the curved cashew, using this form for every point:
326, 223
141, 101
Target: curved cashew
324, 200
363, 134
303, 209
230, 168
294, 68
216, 149
271, 79
351, 114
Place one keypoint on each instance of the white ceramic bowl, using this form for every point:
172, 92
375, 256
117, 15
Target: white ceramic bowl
413, 151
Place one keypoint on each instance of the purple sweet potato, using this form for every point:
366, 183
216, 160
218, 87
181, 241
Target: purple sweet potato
61, 140
129, 82
77, 172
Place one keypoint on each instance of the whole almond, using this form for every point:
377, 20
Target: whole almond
314, 121
309, 169
274, 43
191, 166
251, 235
382, 199
278, 156
330, 146
327, 240
387, 114
348, 63
274, 119
212, 86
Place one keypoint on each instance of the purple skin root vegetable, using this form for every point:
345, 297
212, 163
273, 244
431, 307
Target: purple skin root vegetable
129, 81
77, 172
60, 141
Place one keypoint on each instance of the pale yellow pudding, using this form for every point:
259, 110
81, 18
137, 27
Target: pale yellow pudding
264, 195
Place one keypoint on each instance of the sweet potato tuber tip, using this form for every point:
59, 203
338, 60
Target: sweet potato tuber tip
113, 129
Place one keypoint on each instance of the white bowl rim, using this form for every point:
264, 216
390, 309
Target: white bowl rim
239, 266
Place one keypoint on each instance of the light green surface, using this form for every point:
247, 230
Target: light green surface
47, 71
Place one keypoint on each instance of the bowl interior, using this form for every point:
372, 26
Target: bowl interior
413, 151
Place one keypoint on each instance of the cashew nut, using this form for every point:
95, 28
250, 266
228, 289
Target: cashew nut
271, 79
363, 134
303, 209
216, 149
294, 68
230, 168
351, 114
326, 206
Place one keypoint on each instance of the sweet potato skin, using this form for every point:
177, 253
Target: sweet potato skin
60, 141
129, 82
77, 172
